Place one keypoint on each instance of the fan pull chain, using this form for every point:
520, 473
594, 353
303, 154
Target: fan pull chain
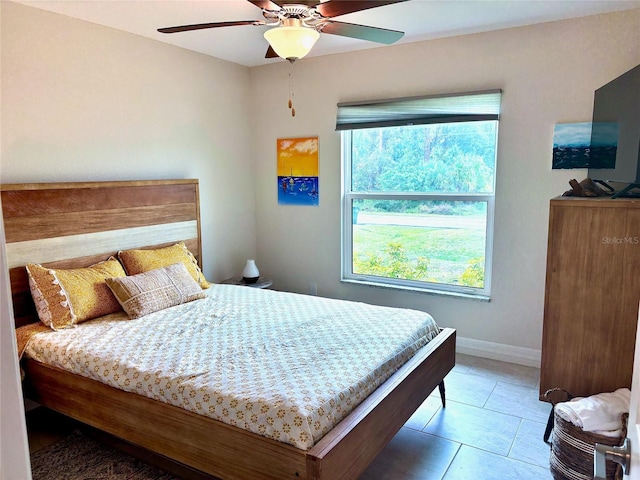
291, 89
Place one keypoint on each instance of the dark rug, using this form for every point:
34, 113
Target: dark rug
79, 457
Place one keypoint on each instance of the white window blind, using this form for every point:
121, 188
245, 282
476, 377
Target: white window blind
459, 107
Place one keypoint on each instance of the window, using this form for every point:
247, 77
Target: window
418, 192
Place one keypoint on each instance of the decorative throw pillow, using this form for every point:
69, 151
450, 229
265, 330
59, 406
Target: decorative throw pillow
65, 297
155, 290
139, 261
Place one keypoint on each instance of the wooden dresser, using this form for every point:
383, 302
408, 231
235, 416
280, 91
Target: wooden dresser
592, 295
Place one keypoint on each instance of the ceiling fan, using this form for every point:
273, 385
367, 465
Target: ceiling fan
298, 24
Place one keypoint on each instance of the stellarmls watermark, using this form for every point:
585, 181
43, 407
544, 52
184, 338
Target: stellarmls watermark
621, 240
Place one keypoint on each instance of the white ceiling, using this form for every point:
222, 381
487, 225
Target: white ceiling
245, 45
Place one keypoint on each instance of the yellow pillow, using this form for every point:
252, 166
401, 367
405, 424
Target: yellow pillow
140, 261
65, 297
155, 290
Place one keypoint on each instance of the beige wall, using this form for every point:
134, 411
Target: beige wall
82, 102
548, 74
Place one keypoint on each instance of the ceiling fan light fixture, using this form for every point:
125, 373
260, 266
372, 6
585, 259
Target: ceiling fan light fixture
292, 42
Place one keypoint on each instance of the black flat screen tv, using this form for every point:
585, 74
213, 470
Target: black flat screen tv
614, 159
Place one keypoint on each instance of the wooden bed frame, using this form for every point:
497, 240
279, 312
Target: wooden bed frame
68, 225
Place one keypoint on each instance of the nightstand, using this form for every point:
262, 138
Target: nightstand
261, 283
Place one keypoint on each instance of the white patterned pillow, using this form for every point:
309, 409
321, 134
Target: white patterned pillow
155, 290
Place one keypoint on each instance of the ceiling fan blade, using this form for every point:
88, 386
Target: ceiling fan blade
201, 26
265, 4
333, 8
362, 32
308, 3
271, 53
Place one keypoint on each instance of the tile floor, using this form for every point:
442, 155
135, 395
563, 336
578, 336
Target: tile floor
491, 429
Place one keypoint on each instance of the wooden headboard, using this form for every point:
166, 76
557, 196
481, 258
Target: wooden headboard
71, 225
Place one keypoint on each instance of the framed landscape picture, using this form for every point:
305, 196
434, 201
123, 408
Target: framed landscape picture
571, 143
298, 171
585, 145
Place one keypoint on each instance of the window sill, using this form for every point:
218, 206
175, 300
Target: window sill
427, 291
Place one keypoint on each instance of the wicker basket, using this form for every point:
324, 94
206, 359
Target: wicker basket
572, 448
572, 452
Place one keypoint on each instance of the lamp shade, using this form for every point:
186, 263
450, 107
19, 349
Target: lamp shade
291, 42
250, 273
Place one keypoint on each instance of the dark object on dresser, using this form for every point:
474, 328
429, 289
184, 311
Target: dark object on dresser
586, 188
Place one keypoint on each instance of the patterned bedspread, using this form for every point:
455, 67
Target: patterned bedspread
283, 365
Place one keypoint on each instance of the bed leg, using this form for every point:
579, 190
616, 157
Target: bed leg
442, 397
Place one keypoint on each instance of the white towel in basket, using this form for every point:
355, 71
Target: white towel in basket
599, 413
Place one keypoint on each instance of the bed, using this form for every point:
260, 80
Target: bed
72, 225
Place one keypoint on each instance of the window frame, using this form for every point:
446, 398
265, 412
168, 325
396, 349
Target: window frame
347, 198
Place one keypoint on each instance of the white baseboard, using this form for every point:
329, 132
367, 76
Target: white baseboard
499, 351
